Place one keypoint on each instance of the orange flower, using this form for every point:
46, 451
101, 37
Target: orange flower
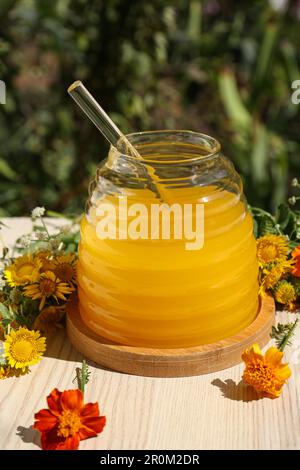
296, 257
266, 374
68, 420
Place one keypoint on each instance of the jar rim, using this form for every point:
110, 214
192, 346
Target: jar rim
196, 139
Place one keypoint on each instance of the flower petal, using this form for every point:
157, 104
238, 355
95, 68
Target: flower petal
273, 356
53, 400
70, 443
51, 441
255, 349
90, 410
92, 426
86, 433
252, 353
273, 394
72, 399
45, 420
283, 372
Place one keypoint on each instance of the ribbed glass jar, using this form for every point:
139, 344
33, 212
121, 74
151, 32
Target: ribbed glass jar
156, 292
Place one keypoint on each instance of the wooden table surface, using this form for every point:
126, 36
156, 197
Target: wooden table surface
214, 411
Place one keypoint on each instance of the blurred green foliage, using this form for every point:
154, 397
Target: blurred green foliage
221, 67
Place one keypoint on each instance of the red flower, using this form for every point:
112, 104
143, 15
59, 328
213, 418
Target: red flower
67, 421
296, 257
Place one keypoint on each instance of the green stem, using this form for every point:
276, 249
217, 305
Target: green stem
43, 222
82, 376
80, 382
286, 338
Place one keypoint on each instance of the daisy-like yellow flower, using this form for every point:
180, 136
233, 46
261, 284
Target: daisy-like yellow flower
265, 373
272, 274
23, 270
272, 248
65, 268
49, 319
6, 372
48, 285
45, 257
285, 294
23, 348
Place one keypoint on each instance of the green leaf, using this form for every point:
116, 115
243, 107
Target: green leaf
264, 222
7, 315
255, 228
55, 214
289, 53
7, 171
39, 228
265, 53
259, 156
4, 312
287, 220
232, 101
72, 247
194, 24
283, 333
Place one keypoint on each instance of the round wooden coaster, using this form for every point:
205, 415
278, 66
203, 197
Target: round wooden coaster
181, 362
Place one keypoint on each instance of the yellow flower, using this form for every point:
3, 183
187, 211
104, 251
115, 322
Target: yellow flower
7, 372
23, 348
49, 285
265, 373
285, 294
271, 248
22, 271
45, 257
49, 319
65, 268
3, 373
272, 274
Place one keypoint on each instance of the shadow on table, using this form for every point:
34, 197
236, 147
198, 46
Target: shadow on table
236, 391
60, 347
29, 435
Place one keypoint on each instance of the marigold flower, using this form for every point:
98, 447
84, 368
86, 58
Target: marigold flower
49, 285
296, 258
285, 294
68, 420
265, 373
23, 270
23, 348
271, 248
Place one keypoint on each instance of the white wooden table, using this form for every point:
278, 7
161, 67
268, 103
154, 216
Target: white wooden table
214, 411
